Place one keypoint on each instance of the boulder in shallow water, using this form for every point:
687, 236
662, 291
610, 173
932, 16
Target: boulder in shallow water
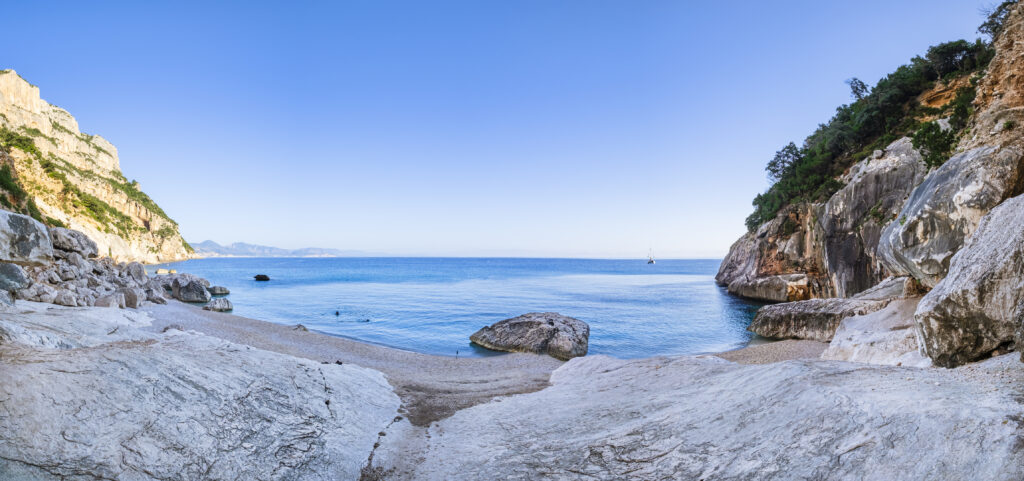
219, 304
550, 333
261, 277
218, 290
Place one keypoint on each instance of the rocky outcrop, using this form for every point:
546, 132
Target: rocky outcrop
826, 250
818, 319
550, 333
86, 394
852, 220
705, 418
219, 304
68, 168
778, 262
780, 288
977, 307
945, 209
886, 336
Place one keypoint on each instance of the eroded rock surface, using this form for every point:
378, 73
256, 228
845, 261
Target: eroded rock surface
23, 240
98, 399
705, 418
818, 319
977, 308
887, 336
559, 336
852, 219
946, 208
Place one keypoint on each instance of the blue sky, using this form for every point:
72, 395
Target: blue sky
529, 128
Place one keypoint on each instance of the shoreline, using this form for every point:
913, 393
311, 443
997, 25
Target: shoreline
432, 387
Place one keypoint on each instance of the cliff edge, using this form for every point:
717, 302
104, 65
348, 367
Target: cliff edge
63, 177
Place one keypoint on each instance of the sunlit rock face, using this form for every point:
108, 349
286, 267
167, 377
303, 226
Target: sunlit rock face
128, 225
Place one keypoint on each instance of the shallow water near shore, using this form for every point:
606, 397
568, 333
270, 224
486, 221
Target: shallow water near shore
432, 305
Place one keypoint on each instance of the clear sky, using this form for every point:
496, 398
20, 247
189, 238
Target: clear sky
529, 128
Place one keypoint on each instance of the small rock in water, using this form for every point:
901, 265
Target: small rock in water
218, 290
261, 277
219, 304
161, 272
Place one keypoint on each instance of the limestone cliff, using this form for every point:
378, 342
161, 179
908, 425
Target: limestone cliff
895, 215
74, 179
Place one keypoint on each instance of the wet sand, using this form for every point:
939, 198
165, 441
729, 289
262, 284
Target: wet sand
431, 387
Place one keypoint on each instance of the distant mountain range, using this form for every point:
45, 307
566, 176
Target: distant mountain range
241, 249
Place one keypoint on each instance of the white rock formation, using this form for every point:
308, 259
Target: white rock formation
887, 336
84, 394
706, 418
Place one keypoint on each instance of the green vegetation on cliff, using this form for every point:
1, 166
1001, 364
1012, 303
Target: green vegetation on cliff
878, 116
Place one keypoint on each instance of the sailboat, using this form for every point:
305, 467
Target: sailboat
650, 258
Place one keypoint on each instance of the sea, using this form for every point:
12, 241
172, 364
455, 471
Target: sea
433, 305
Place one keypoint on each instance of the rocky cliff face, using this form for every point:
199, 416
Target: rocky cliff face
828, 249
75, 179
953, 230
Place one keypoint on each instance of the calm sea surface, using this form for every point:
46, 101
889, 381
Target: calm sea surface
432, 305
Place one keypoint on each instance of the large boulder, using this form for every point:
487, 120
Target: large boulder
218, 290
946, 208
977, 308
73, 241
559, 336
818, 319
111, 300
137, 272
219, 304
12, 277
886, 336
133, 296
190, 290
24, 240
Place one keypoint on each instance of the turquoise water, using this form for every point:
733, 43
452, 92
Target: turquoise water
432, 305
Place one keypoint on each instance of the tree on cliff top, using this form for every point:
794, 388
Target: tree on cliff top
995, 18
889, 111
